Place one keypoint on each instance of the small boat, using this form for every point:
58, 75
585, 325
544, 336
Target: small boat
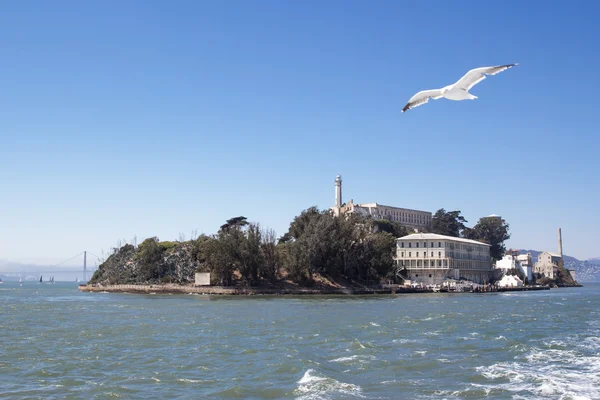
1, 280
77, 280
40, 279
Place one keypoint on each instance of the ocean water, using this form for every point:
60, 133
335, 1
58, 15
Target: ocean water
58, 343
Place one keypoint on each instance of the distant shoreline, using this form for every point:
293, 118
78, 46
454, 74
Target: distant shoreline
251, 291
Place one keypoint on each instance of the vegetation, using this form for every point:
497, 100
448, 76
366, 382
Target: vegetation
350, 248
449, 223
493, 231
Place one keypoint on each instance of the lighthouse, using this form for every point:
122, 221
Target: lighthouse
338, 196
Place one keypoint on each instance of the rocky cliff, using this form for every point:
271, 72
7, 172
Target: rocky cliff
150, 262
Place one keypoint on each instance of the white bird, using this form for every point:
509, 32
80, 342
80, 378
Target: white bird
458, 90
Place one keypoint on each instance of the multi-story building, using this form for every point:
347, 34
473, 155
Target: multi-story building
415, 219
547, 264
430, 258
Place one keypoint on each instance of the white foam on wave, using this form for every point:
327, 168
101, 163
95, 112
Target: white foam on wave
501, 338
353, 358
547, 373
374, 324
189, 380
312, 386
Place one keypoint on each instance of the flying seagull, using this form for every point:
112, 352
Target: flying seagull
458, 90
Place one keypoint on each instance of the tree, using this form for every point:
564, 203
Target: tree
270, 254
234, 223
300, 223
251, 257
449, 223
493, 231
150, 258
393, 227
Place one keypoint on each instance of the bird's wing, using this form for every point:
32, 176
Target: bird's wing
474, 76
422, 97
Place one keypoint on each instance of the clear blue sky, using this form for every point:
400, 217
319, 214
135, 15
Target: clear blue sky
124, 118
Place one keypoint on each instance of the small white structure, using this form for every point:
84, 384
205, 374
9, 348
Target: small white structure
202, 279
510, 281
526, 262
513, 261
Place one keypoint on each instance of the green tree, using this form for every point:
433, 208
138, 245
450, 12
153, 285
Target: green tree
271, 257
393, 227
251, 257
300, 223
449, 223
493, 231
149, 257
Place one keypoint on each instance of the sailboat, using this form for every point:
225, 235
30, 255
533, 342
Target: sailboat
51, 281
77, 280
1, 281
20, 281
40, 279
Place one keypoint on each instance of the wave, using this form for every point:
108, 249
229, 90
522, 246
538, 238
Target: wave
546, 372
312, 386
353, 358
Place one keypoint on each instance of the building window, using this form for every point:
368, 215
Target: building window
431, 244
425, 244
417, 244
409, 244
402, 244
402, 254
432, 254
430, 275
439, 253
409, 254
439, 244
417, 254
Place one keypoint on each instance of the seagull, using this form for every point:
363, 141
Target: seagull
458, 90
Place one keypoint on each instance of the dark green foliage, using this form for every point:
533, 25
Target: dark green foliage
449, 223
149, 258
166, 246
346, 246
493, 231
234, 223
391, 227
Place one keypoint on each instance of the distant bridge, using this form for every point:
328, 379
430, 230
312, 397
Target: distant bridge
44, 269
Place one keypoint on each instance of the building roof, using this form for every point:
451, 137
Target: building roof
553, 254
373, 205
435, 236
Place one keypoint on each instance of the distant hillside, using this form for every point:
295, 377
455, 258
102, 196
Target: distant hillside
586, 271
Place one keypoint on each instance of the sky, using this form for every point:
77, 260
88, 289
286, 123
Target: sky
155, 118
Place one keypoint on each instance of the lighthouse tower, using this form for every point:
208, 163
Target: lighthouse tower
338, 195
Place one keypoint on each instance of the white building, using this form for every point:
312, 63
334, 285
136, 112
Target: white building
431, 258
510, 281
526, 265
410, 218
513, 261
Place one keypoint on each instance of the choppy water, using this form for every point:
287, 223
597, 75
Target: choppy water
58, 343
